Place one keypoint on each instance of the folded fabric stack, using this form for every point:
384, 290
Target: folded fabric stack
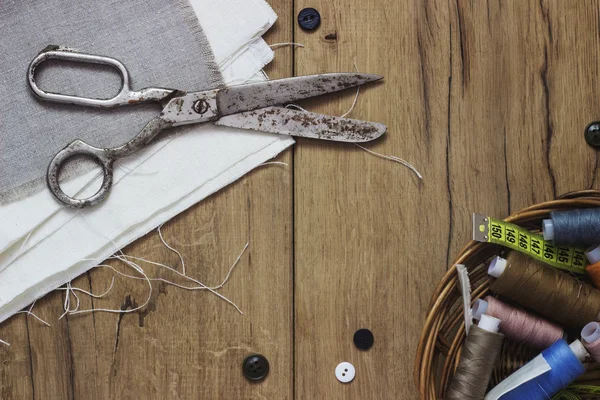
44, 245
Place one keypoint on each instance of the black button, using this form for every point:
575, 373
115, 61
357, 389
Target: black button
363, 339
309, 19
255, 367
592, 134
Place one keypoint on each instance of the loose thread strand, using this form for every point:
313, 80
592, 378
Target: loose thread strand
203, 286
394, 159
273, 163
152, 279
284, 44
355, 97
171, 248
390, 158
95, 296
67, 302
34, 316
4, 343
138, 269
237, 260
29, 312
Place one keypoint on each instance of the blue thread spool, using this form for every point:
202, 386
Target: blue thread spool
573, 227
566, 367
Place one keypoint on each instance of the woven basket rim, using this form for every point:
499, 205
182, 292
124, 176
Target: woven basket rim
439, 346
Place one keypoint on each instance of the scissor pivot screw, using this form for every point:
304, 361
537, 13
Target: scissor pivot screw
201, 106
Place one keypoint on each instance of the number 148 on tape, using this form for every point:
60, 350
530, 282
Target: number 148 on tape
490, 230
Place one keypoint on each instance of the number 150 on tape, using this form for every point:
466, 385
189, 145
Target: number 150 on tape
490, 230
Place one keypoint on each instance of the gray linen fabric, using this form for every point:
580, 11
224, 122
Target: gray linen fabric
160, 42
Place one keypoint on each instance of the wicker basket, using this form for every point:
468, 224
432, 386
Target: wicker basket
443, 335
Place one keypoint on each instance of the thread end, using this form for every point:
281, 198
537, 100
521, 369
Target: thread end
548, 229
591, 332
578, 349
489, 324
497, 266
593, 254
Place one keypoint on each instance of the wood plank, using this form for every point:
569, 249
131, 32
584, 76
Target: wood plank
489, 100
183, 344
370, 237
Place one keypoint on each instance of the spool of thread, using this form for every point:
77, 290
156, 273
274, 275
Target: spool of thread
480, 353
590, 336
565, 363
545, 290
573, 227
593, 268
518, 325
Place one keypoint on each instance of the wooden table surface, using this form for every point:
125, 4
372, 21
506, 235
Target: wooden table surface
488, 99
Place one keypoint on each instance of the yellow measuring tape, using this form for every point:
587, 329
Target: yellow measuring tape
490, 230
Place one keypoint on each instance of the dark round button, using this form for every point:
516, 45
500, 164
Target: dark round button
255, 367
363, 339
309, 19
592, 134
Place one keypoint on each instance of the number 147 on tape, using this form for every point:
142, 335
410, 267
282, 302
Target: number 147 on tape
490, 230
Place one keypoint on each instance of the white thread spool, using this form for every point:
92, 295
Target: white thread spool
578, 349
548, 229
489, 324
497, 267
593, 254
591, 332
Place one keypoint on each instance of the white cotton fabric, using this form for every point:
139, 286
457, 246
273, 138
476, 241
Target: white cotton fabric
44, 245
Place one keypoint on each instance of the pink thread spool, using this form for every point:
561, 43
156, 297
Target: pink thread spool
591, 339
519, 325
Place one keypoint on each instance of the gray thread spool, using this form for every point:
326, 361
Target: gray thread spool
573, 227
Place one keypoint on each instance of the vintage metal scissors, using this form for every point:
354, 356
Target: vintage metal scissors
250, 106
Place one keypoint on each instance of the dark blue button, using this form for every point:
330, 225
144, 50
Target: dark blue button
309, 19
363, 339
255, 367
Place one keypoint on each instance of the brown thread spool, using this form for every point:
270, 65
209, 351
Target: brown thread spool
544, 289
480, 353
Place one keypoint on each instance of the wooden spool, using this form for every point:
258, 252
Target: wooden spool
443, 334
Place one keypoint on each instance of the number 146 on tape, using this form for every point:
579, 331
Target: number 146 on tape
490, 230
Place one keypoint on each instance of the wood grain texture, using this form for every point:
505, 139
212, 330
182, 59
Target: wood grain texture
371, 243
487, 99
183, 345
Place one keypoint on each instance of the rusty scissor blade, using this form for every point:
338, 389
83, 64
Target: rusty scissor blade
305, 124
237, 99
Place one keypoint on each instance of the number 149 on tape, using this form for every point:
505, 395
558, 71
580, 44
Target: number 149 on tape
490, 230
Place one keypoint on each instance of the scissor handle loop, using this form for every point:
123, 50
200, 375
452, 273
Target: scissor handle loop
78, 147
125, 95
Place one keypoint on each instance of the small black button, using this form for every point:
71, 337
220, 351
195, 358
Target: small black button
255, 367
309, 19
363, 339
592, 134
